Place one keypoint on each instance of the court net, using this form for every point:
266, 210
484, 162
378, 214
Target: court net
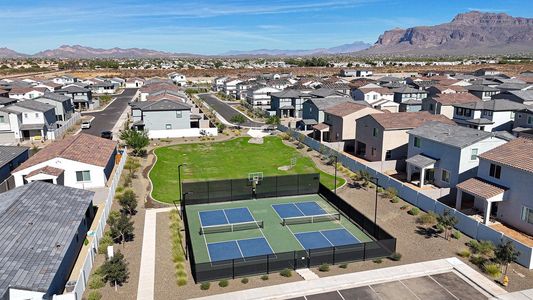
231, 227
311, 219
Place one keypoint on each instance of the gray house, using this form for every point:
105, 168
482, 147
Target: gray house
27, 119
524, 97
63, 105
49, 223
313, 110
288, 103
164, 114
410, 99
82, 98
10, 158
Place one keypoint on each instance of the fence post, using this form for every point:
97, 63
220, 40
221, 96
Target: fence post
233, 268
309, 259
268, 264
294, 258
364, 251
333, 256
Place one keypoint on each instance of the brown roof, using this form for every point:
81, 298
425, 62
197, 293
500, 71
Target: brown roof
480, 188
320, 126
46, 170
455, 98
83, 148
408, 120
445, 81
344, 109
164, 96
517, 153
381, 90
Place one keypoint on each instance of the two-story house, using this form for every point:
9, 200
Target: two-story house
443, 104
483, 92
259, 96
313, 109
230, 87
63, 105
490, 115
27, 120
218, 83
134, 82
82, 98
524, 97
523, 123
178, 78
444, 155
410, 99
288, 103
381, 137
502, 188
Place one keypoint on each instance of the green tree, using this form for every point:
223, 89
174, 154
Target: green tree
135, 139
238, 119
448, 221
505, 254
132, 165
273, 120
120, 227
128, 201
115, 270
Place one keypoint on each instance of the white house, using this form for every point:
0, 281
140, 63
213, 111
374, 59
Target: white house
444, 154
259, 96
490, 115
178, 79
25, 93
218, 83
26, 120
230, 87
65, 79
372, 94
134, 82
81, 161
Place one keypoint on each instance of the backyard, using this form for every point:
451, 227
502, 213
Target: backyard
225, 160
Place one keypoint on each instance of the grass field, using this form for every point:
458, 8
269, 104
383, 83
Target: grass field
280, 237
226, 160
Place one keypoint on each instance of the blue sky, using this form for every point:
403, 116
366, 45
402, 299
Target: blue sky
212, 27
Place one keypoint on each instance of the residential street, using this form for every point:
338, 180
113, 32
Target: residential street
226, 111
106, 119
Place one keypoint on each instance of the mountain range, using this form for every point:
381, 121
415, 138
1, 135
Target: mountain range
468, 33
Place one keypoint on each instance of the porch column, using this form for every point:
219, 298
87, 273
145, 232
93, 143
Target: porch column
459, 200
486, 217
409, 172
422, 174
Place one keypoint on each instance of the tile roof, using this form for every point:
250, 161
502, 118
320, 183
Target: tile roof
73, 89
453, 135
517, 153
493, 105
344, 109
83, 147
480, 188
324, 103
38, 222
408, 120
408, 90
380, 90
8, 153
55, 97
161, 105
321, 126
481, 88
31, 105
455, 98
46, 170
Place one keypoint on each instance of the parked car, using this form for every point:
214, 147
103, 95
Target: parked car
107, 135
85, 124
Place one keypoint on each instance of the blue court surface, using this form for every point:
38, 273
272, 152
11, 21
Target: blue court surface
326, 238
225, 216
298, 209
238, 249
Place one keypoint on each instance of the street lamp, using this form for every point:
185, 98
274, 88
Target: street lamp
375, 204
179, 178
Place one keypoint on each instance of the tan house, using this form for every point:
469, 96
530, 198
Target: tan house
380, 137
339, 122
443, 103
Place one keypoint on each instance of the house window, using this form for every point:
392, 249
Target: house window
83, 176
495, 171
179, 114
25, 115
374, 132
168, 126
417, 142
388, 154
2, 119
36, 115
373, 151
530, 120
473, 154
527, 214
445, 176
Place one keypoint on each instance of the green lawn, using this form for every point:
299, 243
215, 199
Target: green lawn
224, 160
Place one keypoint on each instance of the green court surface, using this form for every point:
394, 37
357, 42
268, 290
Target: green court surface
281, 238
227, 160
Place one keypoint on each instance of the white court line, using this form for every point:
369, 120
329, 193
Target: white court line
296, 238
227, 221
205, 240
240, 251
326, 239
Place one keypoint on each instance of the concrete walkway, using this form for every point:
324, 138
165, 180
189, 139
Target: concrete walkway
307, 274
332, 283
145, 289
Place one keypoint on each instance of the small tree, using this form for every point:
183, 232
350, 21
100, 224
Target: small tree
121, 226
135, 139
115, 270
132, 165
447, 221
505, 254
273, 120
238, 119
128, 201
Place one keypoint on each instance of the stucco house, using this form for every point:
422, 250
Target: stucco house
410, 99
288, 103
483, 92
62, 105
134, 82
490, 115
381, 137
81, 161
259, 96
524, 97
443, 104
444, 155
26, 120
82, 98
313, 109
178, 78
502, 188
523, 122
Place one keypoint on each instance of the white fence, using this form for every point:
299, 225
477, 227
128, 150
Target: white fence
61, 131
81, 282
177, 133
467, 225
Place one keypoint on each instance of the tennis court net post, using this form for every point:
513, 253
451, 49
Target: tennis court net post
311, 219
231, 227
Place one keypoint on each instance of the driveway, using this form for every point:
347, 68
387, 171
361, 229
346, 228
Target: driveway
106, 119
225, 110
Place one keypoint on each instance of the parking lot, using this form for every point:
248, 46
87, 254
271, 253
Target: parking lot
439, 287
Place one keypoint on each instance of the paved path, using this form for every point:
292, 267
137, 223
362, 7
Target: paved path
225, 110
106, 119
307, 274
145, 289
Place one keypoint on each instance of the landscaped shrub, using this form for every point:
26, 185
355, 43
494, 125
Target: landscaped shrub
244, 280
378, 260
309, 149
323, 268
96, 282
182, 281
456, 235
380, 190
414, 211
404, 207
286, 272
94, 295
178, 255
223, 283
478, 260
464, 253
483, 248
439, 228
391, 192
429, 218
395, 200
105, 241
493, 270
264, 277
205, 286
396, 256
343, 266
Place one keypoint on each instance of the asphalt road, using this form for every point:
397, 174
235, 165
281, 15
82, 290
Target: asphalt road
106, 119
226, 111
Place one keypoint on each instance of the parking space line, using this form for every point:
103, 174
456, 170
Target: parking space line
409, 289
443, 287
339, 292
373, 290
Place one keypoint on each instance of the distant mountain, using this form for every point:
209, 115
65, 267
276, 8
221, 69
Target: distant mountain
77, 51
347, 48
468, 33
8, 53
